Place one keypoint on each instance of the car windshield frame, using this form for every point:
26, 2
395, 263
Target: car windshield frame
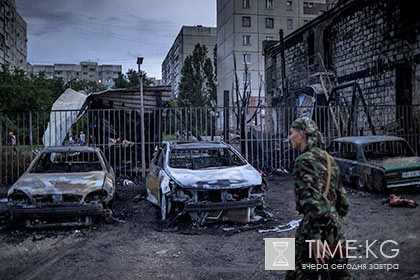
51, 161
206, 157
387, 149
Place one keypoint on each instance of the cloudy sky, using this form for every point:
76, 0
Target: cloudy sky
109, 31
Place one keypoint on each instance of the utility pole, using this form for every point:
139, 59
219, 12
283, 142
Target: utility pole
143, 156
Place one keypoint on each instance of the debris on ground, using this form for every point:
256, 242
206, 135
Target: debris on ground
396, 201
128, 183
281, 228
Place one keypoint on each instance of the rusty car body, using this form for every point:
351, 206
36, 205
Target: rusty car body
208, 181
63, 186
376, 163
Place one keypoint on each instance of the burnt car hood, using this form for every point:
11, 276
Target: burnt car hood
397, 163
36, 183
217, 178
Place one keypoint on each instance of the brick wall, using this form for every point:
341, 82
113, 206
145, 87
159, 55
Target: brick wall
375, 44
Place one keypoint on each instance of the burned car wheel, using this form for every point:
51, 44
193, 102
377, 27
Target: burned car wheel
359, 183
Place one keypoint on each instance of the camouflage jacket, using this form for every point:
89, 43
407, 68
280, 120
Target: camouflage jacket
310, 174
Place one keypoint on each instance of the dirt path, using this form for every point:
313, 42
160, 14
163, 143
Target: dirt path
135, 245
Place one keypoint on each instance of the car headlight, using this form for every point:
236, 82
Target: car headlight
181, 194
96, 196
19, 197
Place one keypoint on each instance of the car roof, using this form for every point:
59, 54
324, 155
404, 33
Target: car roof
360, 140
70, 149
197, 144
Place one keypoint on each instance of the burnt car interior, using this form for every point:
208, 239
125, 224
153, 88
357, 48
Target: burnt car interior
387, 149
344, 150
67, 162
203, 158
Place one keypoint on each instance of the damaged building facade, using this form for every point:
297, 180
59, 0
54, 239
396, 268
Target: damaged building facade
361, 58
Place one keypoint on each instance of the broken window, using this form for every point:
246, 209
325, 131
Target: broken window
203, 158
348, 151
67, 163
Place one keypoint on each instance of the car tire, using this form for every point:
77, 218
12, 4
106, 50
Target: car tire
360, 183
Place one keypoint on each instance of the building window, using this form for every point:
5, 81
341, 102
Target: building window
246, 40
247, 58
246, 78
269, 38
269, 22
246, 4
308, 4
269, 4
289, 5
290, 23
246, 21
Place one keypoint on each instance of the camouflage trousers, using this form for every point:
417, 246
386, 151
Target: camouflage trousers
304, 264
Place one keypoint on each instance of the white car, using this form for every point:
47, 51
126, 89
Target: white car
208, 181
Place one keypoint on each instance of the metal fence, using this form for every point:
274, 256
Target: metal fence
263, 140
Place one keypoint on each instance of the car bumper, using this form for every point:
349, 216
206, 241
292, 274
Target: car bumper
208, 206
233, 211
404, 184
57, 211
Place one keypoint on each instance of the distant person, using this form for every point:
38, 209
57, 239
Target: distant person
71, 139
13, 141
12, 138
322, 200
82, 138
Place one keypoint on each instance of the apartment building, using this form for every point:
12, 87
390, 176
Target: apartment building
242, 26
13, 41
87, 70
182, 47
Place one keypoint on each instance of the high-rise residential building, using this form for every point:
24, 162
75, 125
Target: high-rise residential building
91, 71
13, 41
242, 26
183, 46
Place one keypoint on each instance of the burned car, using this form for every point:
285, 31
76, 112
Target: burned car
207, 181
376, 163
63, 186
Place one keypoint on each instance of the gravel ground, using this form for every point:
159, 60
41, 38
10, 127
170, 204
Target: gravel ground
135, 245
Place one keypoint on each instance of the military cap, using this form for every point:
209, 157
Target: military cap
309, 127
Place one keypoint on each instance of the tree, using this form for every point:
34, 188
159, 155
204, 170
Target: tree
131, 80
120, 81
19, 92
197, 87
241, 100
85, 85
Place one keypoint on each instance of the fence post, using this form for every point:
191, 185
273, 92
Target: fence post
30, 134
226, 115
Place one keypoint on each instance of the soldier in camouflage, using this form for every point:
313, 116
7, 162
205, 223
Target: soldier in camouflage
323, 206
